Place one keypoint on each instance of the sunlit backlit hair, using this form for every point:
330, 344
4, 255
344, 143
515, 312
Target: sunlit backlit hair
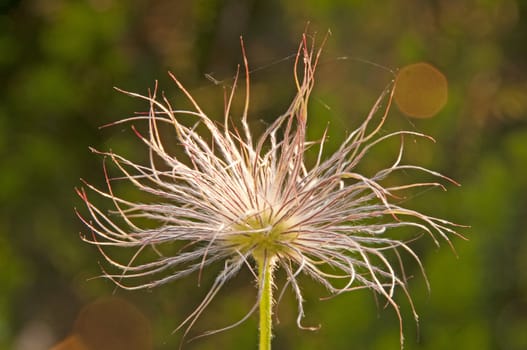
254, 202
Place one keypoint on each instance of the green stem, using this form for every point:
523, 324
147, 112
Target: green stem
265, 277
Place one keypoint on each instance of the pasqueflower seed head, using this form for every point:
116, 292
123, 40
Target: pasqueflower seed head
231, 198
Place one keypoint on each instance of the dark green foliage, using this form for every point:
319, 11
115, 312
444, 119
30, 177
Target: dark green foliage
60, 59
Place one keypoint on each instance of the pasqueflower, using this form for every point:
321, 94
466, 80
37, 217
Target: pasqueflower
244, 202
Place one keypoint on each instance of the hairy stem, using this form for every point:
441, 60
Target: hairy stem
265, 278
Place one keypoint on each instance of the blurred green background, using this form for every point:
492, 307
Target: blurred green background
60, 59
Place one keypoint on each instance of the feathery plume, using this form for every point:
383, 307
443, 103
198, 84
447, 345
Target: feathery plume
250, 202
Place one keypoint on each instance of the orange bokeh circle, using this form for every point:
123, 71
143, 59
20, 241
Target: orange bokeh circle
421, 90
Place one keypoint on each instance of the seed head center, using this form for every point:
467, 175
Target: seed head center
263, 235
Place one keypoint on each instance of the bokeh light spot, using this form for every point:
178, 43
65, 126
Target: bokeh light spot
421, 90
73, 342
113, 324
